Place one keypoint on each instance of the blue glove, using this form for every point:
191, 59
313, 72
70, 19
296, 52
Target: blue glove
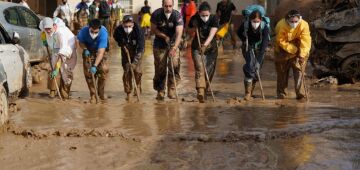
86, 53
93, 69
54, 73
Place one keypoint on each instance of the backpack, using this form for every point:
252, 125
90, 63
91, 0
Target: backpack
104, 10
265, 21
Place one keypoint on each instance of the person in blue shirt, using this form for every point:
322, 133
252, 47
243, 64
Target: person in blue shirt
93, 39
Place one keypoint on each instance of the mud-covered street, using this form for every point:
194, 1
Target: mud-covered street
323, 133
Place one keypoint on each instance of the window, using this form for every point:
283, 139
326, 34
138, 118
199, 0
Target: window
12, 17
30, 19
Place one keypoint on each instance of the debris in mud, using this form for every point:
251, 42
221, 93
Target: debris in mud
260, 135
325, 81
235, 100
37, 134
72, 148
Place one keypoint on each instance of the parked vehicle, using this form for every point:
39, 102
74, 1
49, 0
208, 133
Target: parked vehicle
337, 41
15, 75
17, 18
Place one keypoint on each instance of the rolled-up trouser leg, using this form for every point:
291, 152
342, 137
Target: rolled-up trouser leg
102, 74
298, 78
249, 66
200, 79
176, 63
160, 69
282, 70
138, 75
210, 62
127, 79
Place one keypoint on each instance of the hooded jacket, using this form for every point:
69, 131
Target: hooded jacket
295, 42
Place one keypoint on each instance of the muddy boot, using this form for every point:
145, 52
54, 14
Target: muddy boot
252, 89
171, 93
93, 99
248, 87
201, 95
52, 94
128, 97
160, 95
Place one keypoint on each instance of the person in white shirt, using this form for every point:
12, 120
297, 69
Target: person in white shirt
24, 3
63, 11
61, 41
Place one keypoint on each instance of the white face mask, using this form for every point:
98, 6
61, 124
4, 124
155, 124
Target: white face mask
255, 25
205, 18
294, 25
128, 30
93, 36
50, 34
97, 9
167, 15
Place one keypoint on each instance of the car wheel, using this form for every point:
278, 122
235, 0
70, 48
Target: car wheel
4, 106
351, 67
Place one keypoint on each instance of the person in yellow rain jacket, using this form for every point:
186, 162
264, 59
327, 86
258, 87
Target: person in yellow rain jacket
292, 48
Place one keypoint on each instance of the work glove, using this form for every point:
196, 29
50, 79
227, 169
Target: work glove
54, 73
93, 70
86, 53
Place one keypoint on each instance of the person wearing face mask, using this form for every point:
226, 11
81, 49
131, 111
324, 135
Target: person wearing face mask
81, 15
61, 42
129, 36
94, 10
292, 49
63, 11
167, 25
254, 34
93, 39
206, 25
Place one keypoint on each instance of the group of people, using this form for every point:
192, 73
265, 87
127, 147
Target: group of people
292, 46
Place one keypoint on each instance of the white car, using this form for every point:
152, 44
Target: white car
15, 76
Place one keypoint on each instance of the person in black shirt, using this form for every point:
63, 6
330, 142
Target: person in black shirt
255, 33
145, 16
207, 26
167, 25
129, 36
224, 10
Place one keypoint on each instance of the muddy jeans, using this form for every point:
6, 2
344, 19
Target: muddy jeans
101, 75
161, 56
282, 68
63, 87
249, 67
127, 77
210, 58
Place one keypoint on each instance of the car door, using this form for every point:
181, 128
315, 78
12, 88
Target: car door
12, 63
32, 21
25, 22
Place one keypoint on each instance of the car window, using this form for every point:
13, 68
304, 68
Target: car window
11, 16
2, 39
28, 17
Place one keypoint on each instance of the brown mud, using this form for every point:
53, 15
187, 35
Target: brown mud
231, 133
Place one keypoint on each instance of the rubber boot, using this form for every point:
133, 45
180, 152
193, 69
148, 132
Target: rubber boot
160, 95
52, 94
128, 97
248, 87
201, 95
171, 93
93, 99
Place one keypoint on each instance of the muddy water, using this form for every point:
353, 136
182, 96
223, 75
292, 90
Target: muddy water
229, 134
